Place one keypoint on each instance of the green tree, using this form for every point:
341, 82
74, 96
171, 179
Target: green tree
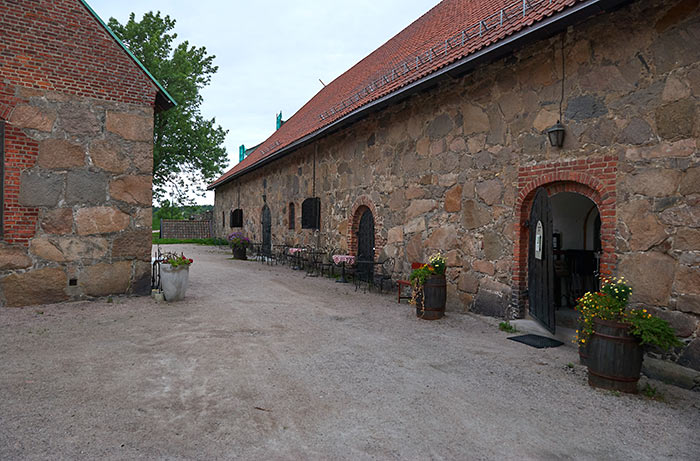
187, 148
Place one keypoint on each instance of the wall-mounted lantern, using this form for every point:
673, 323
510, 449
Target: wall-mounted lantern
556, 134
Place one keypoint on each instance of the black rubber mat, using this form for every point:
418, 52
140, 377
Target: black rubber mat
540, 342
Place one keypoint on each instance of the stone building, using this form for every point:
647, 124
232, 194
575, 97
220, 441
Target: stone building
441, 135
76, 137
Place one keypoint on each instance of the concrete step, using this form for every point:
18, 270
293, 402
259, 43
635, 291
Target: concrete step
565, 335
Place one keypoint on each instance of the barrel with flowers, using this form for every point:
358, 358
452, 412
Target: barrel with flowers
614, 336
430, 288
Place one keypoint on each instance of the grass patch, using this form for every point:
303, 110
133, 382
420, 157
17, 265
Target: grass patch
652, 393
507, 327
211, 241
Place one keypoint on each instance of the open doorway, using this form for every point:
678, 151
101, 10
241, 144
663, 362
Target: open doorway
576, 252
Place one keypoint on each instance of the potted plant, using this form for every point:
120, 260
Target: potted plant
614, 336
174, 275
238, 243
429, 288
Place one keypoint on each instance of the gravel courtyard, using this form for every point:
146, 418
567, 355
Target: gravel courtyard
260, 362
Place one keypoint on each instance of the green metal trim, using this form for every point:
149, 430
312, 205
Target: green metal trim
169, 98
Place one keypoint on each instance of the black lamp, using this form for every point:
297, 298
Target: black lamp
556, 134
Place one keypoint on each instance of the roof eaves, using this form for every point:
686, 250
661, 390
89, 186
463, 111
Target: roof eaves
163, 100
583, 9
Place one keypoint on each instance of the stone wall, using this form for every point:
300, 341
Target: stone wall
77, 217
453, 169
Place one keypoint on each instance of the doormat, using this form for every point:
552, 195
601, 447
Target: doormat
540, 342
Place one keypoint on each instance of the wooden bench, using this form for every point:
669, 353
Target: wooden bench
405, 283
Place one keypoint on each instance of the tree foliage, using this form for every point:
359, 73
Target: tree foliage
187, 148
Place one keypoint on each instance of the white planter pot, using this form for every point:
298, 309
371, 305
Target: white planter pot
174, 281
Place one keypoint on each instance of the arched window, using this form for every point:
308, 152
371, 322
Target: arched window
292, 216
237, 218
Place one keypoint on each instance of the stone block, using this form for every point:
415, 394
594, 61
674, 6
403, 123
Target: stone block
670, 373
676, 120
36, 118
492, 299
106, 279
683, 324
492, 245
133, 245
130, 126
653, 182
60, 154
687, 280
474, 119
13, 257
636, 132
468, 282
665, 149
442, 239
474, 215
110, 156
45, 249
395, 235
58, 221
414, 193
416, 225
682, 216
675, 89
644, 227
142, 157
414, 249
545, 119
100, 220
440, 126
141, 281
690, 357
144, 217
490, 191
688, 303
79, 119
420, 207
132, 189
423, 147
40, 188
453, 258
40, 286
453, 199
687, 239
585, 107
85, 187
690, 183
485, 267
651, 276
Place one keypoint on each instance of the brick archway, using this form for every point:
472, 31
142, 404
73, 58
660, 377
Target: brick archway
363, 203
592, 178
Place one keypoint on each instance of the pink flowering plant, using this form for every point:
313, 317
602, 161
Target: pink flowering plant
610, 303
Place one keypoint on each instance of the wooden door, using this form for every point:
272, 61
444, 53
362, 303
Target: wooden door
540, 270
266, 231
365, 246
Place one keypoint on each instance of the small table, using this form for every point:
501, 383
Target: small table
342, 259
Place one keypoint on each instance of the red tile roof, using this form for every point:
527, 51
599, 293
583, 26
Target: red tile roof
447, 33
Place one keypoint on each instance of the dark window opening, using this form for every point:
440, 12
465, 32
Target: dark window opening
311, 213
292, 216
237, 218
223, 219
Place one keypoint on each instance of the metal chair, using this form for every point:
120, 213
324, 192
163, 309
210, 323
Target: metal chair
384, 274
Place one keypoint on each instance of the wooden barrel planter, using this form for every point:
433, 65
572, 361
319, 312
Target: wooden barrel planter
615, 359
583, 353
239, 253
432, 304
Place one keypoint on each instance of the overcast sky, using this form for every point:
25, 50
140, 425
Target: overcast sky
272, 54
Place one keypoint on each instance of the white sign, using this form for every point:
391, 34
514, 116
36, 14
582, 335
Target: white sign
538, 240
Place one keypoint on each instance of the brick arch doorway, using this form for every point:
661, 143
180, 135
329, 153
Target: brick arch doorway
564, 244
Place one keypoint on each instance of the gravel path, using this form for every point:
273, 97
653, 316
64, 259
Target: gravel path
259, 362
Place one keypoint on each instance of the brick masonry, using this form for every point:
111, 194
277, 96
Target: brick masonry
68, 216
178, 229
454, 168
